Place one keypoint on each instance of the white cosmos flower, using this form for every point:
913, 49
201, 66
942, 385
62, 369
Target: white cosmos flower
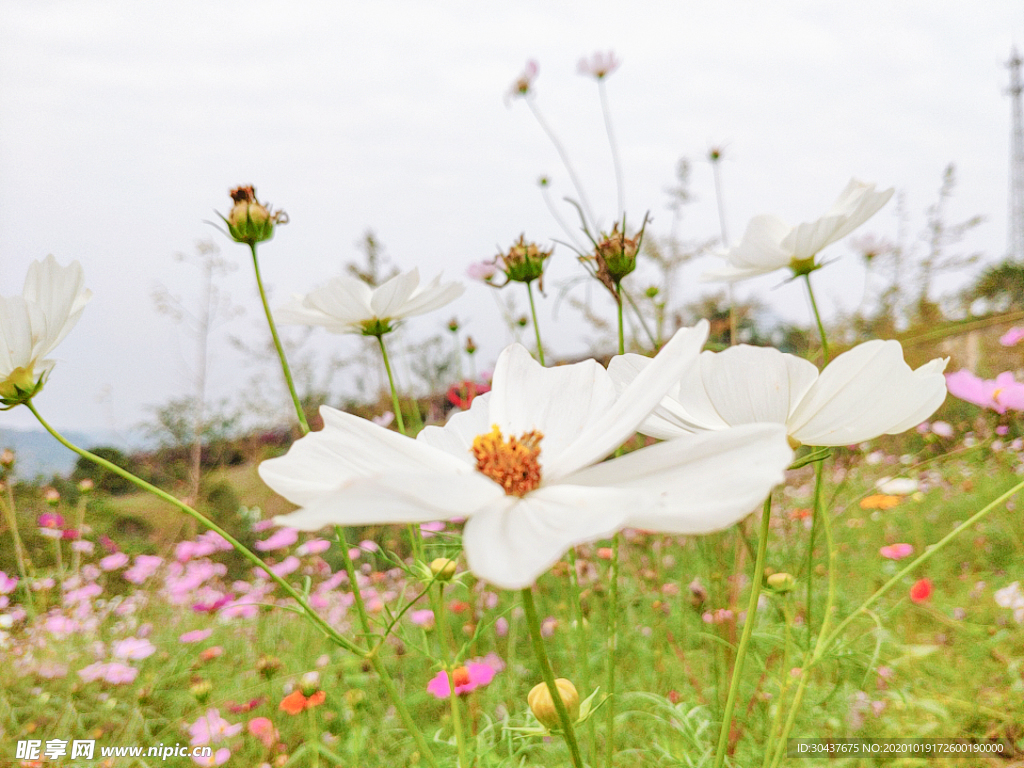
33, 324
863, 393
523, 466
770, 243
348, 305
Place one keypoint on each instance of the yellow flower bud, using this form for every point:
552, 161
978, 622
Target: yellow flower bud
442, 568
781, 582
543, 706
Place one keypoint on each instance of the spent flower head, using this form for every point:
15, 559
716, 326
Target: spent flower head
249, 220
614, 256
524, 262
523, 85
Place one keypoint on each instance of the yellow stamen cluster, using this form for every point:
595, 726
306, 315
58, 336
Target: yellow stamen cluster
512, 464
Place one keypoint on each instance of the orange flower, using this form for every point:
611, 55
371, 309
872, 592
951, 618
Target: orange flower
879, 501
295, 702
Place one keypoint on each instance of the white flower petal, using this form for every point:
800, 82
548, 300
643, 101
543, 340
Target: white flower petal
739, 398
456, 436
510, 546
346, 449
700, 483
398, 497
389, 297
613, 426
559, 402
431, 297
864, 393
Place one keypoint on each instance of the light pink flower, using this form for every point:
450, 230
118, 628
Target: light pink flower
942, 429
112, 672
195, 636
482, 270
524, 83
280, 539
429, 529
424, 618
219, 757
314, 547
7, 583
1012, 337
114, 561
211, 728
1002, 394
133, 648
145, 566
263, 729
599, 66
467, 678
897, 551
83, 546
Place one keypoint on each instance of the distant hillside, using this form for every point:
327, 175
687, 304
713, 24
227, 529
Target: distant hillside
38, 454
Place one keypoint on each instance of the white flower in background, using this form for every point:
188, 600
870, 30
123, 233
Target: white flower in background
897, 486
770, 243
33, 324
866, 392
523, 465
348, 305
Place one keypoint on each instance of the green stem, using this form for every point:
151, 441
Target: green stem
640, 317
536, 328
613, 644
391, 382
549, 677
785, 678
445, 626
60, 562
19, 551
817, 318
748, 631
303, 424
815, 517
582, 648
622, 332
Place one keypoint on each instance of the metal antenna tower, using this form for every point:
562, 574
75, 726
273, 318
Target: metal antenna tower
1015, 246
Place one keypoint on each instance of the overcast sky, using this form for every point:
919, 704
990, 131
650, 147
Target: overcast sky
123, 125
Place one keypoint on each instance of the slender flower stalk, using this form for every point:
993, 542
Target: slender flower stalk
582, 647
748, 631
391, 383
560, 149
817, 318
716, 156
303, 424
444, 624
549, 677
616, 162
785, 679
19, 549
536, 326
815, 518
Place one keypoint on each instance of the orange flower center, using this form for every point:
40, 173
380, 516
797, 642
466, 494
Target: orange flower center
513, 464
461, 676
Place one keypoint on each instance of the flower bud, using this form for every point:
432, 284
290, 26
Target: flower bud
86, 486
543, 706
470, 345
616, 256
201, 690
442, 568
782, 582
7, 458
250, 221
268, 666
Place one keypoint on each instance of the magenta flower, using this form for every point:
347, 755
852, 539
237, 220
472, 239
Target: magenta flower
195, 636
1002, 394
145, 566
51, 520
280, 539
897, 551
467, 678
1012, 337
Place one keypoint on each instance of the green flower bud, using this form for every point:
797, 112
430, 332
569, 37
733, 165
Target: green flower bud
524, 262
250, 221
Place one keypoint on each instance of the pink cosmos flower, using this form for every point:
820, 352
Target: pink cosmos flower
921, 591
195, 636
467, 678
7, 583
599, 66
263, 729
314, 547
211, 728
1012, 337
942, 429
280, 539
1002, 394
219, 757
51, 520
897, 551
133, 648
429, 529
145, 566
524, 83
424, 618
112, 672
83, 546
114, 561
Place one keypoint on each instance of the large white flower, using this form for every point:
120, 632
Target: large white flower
348, 305
770, 243
33, 324
866, 392
522, 465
